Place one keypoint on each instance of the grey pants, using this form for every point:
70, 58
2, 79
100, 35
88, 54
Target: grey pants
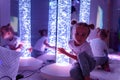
36, 53
101, 60
83, 67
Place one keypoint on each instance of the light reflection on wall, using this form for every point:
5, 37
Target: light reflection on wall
25, 25
59, 26
99, 22
14, 23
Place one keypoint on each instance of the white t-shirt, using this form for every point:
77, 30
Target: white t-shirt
85, 47
40, 46
14, 42
92, 35
98, 46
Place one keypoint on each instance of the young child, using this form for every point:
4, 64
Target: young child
41, 44
10, 40
82, 52
100, 49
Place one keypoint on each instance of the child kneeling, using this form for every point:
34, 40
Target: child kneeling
82, 52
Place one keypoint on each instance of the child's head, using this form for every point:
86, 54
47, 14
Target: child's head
81, 31
6, 31
103, 34
43, 32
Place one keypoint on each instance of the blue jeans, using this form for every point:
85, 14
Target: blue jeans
36, 53
76, 72
83, 67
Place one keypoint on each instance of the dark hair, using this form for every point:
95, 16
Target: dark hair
103, 33
42, 31
5, 29
89, 26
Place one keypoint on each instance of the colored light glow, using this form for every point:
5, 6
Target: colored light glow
114, 57
84, 11
25, 25
59, 26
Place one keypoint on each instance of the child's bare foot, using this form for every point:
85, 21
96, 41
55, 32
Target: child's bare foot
106, 67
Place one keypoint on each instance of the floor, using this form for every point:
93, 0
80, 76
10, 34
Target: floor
97, 74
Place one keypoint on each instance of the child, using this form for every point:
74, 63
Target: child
82, 52
10, 40
41, 44
100, 49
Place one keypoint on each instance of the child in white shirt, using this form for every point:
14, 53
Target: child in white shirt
100, 49
9, 39
41, 44
82, 52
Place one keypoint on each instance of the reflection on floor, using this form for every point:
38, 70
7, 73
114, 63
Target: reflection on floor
101, 75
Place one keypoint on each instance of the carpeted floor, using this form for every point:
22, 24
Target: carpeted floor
99, 74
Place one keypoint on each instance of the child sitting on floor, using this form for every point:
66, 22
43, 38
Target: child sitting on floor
82, 52
41, 44
100, 49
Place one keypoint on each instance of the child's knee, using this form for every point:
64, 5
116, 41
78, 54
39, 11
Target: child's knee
73, 71
76, 74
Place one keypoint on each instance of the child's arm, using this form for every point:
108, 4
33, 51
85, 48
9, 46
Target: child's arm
62, 50
19, 46
47, 45
15, 48
12, 47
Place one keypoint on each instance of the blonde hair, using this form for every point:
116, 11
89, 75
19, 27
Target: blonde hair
78, 24
103, 33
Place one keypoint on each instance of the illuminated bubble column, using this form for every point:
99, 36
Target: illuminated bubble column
25, 25
52, 32
59, 26
84, 11
63, 28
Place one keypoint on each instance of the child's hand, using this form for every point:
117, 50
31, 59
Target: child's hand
53, 47
20, 46
30, 49
12, 47
62, 50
